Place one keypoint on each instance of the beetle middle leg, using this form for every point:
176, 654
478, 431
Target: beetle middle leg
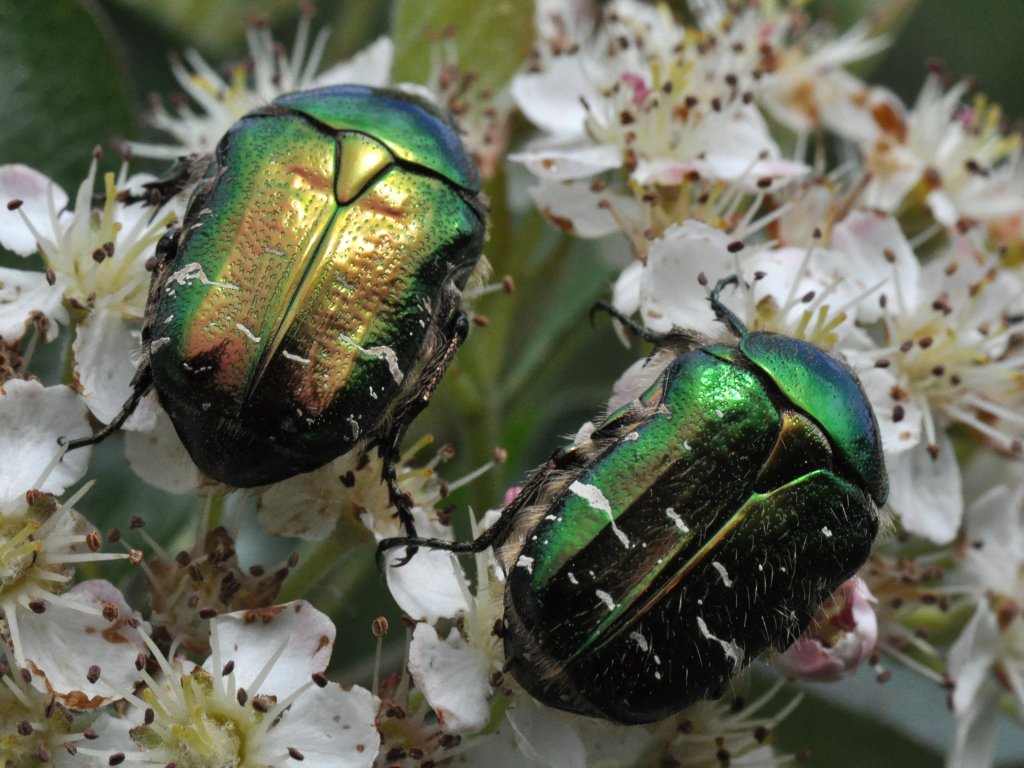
451, 336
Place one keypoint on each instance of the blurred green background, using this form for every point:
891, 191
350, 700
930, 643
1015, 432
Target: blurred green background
78, 73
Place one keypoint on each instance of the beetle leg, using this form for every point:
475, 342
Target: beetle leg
185, 172
722, 312
496, 535
141, 385
635, 328
390, 447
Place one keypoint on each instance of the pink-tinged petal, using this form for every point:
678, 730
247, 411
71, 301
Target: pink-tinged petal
635, 380
104, 348
330, 727
546, 738
839, 639
453, 677
25, 294
371, 66
34, 418
925, 490
301, 635
33, 189
62, 644
158, 456
576, 209
568, 159
428, 587
551, 99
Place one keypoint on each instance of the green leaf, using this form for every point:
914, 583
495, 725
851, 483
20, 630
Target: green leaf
65, 90
492, 39
215, 28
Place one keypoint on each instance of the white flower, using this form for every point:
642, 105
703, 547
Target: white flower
805, 84
96, 268
268, 74
949, 353
261, 699
987, 660
961, 156
643, 95
34, 729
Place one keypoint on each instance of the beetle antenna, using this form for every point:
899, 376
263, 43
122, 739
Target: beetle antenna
722, 312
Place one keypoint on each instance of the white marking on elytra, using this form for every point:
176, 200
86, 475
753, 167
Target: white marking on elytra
355, 427
572, 578
387, 354
597, 500
373, 393
605, 598
657, 675
722, 572
169, 319
672, 515
525, 562
193, 272
640, 640
272, 252
248, 334
295, 358
657, 659
719, 413
827, 531
156, 344
632, 437
729, 647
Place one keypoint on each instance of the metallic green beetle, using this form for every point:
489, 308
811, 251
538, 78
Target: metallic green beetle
698, 526
309, 303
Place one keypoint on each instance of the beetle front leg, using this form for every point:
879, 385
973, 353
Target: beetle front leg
141, 384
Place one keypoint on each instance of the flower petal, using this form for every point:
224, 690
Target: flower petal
330, 727
370, 66
34, 418
428, 587
62, 644
452, 677
303, 635
925, 491
158, 456
25, 294
33, 189
103, 360
545, 738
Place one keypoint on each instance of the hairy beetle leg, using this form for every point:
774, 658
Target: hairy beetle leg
636, 328
390, 449
141, 385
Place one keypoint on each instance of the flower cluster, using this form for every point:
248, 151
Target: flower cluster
698, 150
